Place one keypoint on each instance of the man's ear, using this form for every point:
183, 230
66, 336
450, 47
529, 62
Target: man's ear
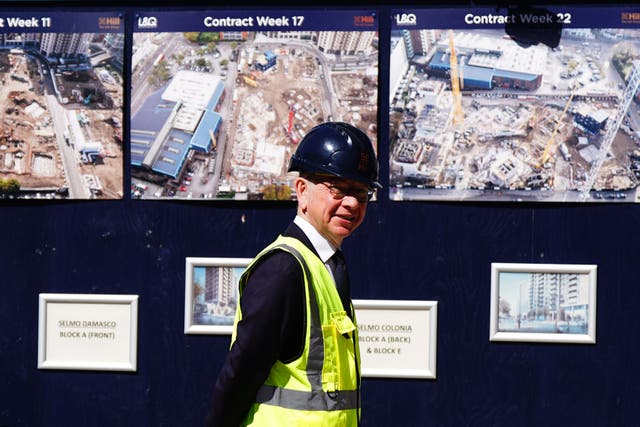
302, 193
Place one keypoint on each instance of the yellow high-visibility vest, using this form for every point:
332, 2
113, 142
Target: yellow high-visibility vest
321, 387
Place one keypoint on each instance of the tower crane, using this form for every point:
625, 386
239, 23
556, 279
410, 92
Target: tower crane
612, 128
458, 116
547, 151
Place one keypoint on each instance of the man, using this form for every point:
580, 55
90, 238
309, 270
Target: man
294, 357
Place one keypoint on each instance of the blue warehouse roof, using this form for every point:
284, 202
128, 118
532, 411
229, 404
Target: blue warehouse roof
201, 140
515, 75
173, 153
215, 98
210, 121
440, 60
146, 124
150, 119
477, 76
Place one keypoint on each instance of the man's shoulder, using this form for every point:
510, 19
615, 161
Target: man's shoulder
276, 261
273, 275
279, 263
277, 255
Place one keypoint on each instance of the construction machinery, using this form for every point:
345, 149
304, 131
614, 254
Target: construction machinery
248, 80
292, 113
214, 140
546, 154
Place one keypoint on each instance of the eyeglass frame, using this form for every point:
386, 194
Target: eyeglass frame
337, 193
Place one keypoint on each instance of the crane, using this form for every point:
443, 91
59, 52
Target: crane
612, 129
458, 116
547, 151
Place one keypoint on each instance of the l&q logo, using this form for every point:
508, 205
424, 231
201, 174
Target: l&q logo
406, 19
147, 22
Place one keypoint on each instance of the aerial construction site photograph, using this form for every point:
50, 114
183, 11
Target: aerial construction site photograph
477, 115
220, 99
61, 107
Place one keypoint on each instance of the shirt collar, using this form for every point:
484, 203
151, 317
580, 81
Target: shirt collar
322, 246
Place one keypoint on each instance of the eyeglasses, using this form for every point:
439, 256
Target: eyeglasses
362, 195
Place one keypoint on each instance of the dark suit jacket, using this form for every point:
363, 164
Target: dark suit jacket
272, 328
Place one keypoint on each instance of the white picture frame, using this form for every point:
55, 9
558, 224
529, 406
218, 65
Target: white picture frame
88, 332
211, 294
398, 338
548, 303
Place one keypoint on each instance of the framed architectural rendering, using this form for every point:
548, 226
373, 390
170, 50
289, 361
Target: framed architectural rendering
211, 294
543, 303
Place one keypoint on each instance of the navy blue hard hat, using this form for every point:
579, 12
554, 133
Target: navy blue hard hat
338, 149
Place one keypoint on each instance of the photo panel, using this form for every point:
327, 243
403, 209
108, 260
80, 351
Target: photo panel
61, 97
515, 104
221, 98
543, 303
211, 294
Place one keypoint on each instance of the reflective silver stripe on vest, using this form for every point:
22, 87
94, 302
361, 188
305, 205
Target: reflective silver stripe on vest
315, 359
316, 400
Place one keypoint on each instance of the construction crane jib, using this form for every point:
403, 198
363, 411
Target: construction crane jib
612, 128
547, 151
458, 116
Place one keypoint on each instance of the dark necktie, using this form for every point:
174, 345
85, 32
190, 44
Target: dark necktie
341, 277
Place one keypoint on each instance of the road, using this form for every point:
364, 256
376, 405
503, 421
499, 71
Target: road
140, 87
75, 183
412, 193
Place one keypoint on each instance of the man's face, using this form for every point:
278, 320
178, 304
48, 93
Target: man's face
334, 206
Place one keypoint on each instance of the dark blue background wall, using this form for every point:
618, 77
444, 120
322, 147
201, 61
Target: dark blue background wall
404, 250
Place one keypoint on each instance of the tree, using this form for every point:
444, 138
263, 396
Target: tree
623, 63
14, 185
276, 192
201, 62
269, 192
159, 74
192, 37
205, 38
504, 307
9, 186
197, 290
283, 192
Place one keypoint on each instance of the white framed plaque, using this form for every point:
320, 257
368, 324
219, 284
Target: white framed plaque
397, 338
88, 332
